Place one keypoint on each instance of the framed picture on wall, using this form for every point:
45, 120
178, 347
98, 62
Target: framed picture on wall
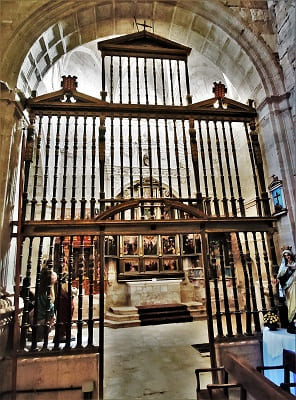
150, 245
151, 264
169, 245
170, 264
130, 245
130, 265
191, 243
111, 245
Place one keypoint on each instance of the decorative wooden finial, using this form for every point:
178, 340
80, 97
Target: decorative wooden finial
69, 83
219, 90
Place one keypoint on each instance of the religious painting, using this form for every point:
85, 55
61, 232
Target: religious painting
130, 265
130, 245
169, 245
188, 244
170, 264
151, 264
150, 245
191, 243
111, 245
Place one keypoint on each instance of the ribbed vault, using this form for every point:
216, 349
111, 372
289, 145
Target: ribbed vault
209, 27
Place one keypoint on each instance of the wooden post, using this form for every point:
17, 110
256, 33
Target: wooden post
66, 148
75, 148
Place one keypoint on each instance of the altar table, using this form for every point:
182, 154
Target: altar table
273, 344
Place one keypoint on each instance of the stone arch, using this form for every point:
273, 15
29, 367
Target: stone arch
192, 22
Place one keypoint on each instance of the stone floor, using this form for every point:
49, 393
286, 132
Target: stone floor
154, 362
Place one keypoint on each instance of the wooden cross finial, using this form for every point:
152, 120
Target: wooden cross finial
144, 25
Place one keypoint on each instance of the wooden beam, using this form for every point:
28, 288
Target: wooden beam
129, 227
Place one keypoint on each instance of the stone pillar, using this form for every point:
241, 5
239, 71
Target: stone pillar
10, 139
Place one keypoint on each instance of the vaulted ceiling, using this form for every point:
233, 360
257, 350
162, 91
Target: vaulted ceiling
231, 39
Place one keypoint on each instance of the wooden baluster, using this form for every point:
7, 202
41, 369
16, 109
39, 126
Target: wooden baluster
210, 152
69, 305
255, 311
55, 169
258, 201
137, 81
162, 82
172, 85
150, 166
206, 270
111, 79
205, 177
177, 159
145, 80
233, 149
227, 160
185, 146
37, 158
140, 164
75, 148
35, 325
179, 83
154, 82
120, 79
224, 198
103, 92
59, 322
80, 292
239, 328
90, 322
45, 177
259, 272
25, 318
121, 160
46, 327
102, 151
130, 141
214, 268
194, 154
259, 164
150, 157
93, 170
28, 158
130, 147
189, 99
167, 143
66, 148
225, 293
83, 187
267, 265
159, 158
112, 158
102, 314
129, 79
247, 286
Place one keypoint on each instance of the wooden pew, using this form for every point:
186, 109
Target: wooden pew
247, 383
289, 365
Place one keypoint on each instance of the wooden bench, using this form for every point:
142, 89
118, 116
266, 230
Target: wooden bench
289, 365
246, 381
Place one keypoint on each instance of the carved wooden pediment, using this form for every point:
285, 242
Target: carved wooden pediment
144, 44
62, 96
215, 104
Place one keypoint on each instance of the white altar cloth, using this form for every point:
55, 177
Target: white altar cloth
273, 344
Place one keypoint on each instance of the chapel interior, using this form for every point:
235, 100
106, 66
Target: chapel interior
147, 166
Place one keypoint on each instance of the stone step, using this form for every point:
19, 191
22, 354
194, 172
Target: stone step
124, 310
121, 317
167, 320
121, 324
